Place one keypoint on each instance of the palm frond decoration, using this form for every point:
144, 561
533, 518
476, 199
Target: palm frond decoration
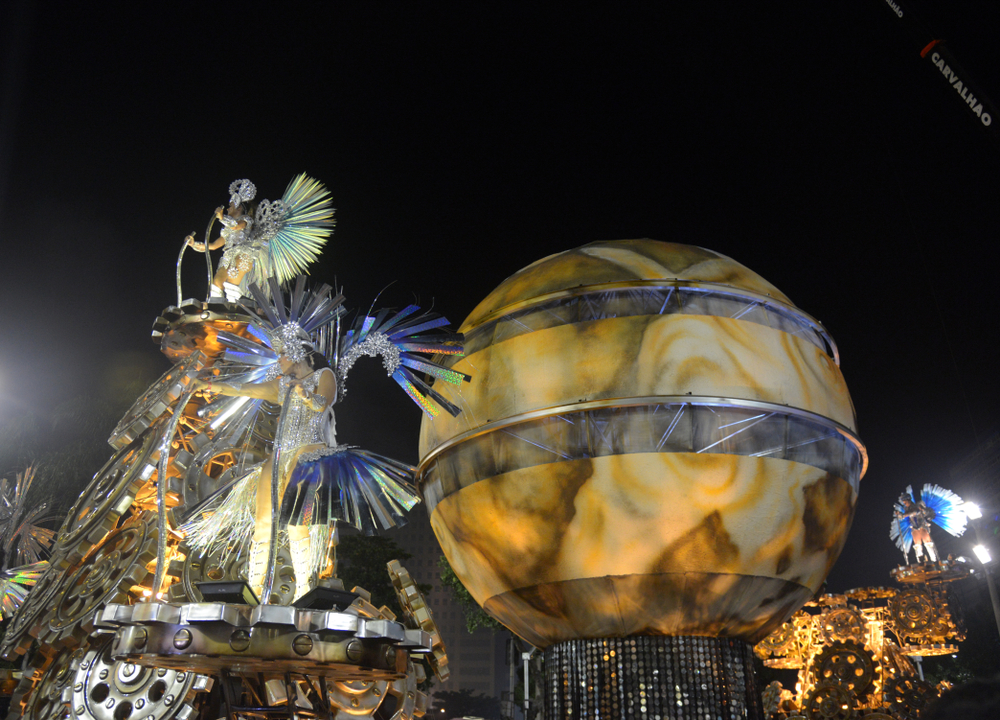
23, 541
23, 538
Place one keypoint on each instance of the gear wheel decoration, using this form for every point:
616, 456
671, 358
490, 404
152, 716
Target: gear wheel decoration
41, 699
222, 565
913, 613
843, 623
870, 594
779, 642
106, 499
106, 576
878, 715
829, 701
771, 698
355, 698
847, 664
210, 469
907, 697
410, 702
105, 689
156, 401
417, 613
23, 627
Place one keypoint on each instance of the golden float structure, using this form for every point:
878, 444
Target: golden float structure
96, 645
852, 651
129, 623
656, 464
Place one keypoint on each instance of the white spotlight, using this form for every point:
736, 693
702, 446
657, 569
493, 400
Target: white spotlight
972, 510
982, 553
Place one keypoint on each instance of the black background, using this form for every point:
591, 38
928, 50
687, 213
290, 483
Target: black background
463, 141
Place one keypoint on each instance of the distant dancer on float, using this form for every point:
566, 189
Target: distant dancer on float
276, 239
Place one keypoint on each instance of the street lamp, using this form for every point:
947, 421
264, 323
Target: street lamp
982, 553
973, 512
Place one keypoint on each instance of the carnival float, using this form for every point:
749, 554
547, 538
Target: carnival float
196, 575
856, 653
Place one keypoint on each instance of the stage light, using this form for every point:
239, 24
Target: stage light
972, 510
982, 553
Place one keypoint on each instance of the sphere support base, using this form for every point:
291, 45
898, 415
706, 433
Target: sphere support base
647, 676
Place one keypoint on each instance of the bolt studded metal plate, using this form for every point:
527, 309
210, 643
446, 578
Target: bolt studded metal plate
105, 689
209, 637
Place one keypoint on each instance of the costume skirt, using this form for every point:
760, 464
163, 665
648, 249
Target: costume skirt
350, 485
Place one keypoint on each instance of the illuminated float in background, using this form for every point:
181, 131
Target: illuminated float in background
855, 652
656, 464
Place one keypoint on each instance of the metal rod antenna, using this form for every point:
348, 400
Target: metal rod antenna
272, 550
208, 257
161, 494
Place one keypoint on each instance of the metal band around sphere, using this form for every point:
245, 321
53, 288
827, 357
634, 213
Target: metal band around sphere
778, 306
609, 403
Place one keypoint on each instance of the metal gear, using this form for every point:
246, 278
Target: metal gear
913, 613
106, 498
410, 702
877, 715
355, 699
870, 593
847, 664
829, 701
779, 642
210, 469
156, 401
24, 625
105, 576
771, 698
417, 613
214, 637
105, 689
842, 623
41, 699
894, 663
931, 649
908, 696
223, 565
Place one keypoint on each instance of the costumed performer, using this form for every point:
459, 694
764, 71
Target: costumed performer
321, 483
911, 523
277, 238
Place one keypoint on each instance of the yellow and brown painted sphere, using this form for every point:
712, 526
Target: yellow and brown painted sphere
655, 441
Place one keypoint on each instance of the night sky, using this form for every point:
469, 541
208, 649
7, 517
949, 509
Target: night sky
463, 141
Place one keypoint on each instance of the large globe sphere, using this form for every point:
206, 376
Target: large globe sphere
655, 440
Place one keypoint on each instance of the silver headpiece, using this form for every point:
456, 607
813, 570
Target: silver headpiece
241, 191
291, 341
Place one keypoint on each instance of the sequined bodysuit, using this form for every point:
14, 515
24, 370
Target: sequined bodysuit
303, 425
241, 249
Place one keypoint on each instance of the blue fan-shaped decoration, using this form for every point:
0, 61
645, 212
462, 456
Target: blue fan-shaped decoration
946, 513
400, 339
351, 485
254, 360
947, 507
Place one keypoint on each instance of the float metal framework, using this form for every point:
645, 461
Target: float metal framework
131, 622
853, 651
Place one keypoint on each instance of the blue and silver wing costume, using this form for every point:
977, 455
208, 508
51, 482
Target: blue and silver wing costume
367, 490
901, 529
947, 507
399, 339
336, 483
